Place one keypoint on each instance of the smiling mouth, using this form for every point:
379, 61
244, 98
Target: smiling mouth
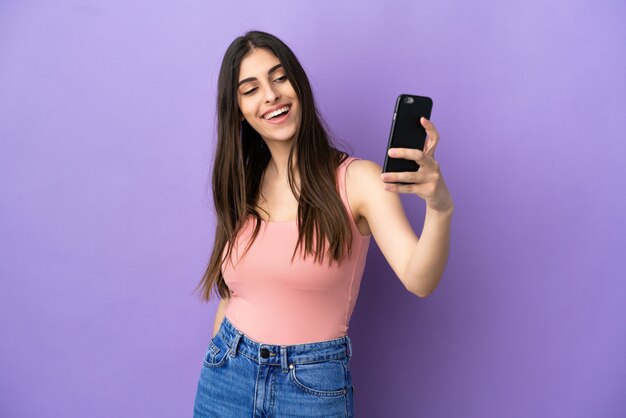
277, 113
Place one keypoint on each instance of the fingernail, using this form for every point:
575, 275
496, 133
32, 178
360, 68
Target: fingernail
392, 152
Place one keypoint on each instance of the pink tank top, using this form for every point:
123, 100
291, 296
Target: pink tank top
275, 301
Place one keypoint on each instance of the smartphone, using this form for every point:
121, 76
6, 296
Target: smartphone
407, 130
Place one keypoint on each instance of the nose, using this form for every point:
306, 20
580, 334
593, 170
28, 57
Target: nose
271, 94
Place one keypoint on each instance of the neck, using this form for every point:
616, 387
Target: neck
278, 163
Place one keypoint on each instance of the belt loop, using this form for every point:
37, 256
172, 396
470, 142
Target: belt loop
233, 347
283, 358
349, 347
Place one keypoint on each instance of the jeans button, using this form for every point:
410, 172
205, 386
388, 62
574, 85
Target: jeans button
265, 353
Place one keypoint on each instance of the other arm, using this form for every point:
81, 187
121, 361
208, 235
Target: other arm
219, 315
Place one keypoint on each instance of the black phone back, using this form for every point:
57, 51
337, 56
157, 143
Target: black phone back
407, 130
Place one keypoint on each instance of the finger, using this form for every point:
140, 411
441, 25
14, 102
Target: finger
428, 125
430, 146
426, 162
415, 177
407, 154
417, 189
432, 138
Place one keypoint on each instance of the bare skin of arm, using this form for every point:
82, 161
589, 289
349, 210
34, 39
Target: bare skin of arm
219, 315
420, 262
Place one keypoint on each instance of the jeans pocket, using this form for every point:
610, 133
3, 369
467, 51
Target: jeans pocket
326, 378
217, 352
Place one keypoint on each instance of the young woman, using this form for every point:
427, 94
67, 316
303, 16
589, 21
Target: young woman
294, 221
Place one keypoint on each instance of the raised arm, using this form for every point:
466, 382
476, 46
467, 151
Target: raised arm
420, 262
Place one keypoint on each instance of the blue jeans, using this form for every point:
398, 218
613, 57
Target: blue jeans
244, 378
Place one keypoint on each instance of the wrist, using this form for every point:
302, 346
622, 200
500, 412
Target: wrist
444, 210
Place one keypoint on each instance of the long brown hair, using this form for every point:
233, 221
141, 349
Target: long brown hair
242, 156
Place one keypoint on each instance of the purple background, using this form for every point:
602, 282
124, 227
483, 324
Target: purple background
107, 131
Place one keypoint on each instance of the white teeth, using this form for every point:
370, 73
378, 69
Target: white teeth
276, 112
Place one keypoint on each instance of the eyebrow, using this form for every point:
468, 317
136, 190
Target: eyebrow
269, 72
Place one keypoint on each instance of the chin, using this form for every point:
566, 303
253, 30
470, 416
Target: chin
281, 138
285, 136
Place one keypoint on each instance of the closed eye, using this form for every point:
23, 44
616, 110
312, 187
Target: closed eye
252, 90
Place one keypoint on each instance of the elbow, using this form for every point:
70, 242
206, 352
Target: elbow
423, 291
422, 295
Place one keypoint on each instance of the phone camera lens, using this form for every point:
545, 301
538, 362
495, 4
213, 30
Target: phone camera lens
408, 100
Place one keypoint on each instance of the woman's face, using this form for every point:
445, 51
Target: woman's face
266, 98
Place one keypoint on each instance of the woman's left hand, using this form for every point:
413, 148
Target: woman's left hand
427, 181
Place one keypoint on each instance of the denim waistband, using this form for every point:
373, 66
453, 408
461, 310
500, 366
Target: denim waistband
284, 355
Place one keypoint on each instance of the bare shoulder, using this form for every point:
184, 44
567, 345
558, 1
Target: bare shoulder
383, 213
363, 179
